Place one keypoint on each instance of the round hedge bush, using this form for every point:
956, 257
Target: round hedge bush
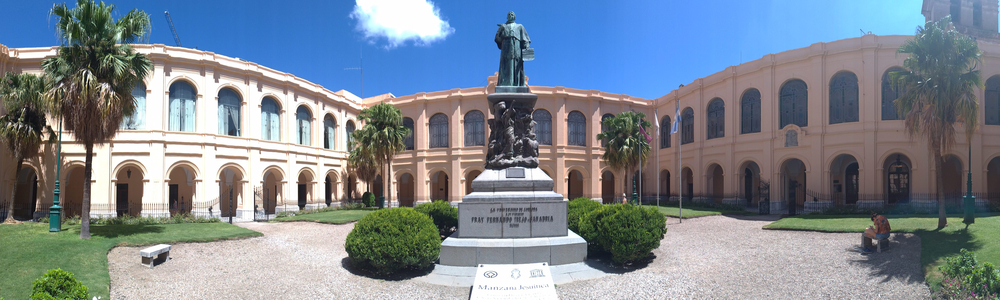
577, 208
444, 215
388, 240
58, 284
626, 231
368, 199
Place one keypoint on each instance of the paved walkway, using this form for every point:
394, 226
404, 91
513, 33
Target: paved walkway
712, 257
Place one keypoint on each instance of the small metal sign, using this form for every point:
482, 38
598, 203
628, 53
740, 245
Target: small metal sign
520, 281
515, 172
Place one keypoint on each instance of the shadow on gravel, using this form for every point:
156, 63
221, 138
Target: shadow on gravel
892, 262
398, 276
114, 231
604, 263
770, 218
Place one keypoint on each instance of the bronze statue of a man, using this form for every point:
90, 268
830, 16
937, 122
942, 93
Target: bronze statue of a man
512, 40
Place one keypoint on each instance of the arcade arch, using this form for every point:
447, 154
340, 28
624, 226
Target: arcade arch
130, 189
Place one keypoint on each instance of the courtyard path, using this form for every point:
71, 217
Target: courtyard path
723, 257
718, 257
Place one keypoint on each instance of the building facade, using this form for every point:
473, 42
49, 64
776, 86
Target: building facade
802, 129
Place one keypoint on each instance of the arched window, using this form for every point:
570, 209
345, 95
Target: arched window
137, 121
577, 125
350, 135
439, 131
665, 132
890, 92
229, 112
977, 14
992, 105
794, 103
302, 121
270, 121
543, 126
687, 126
329, 132
182, 107
715, 119
956, 11
409, 139
474, 131
843, 98
605, 127
750, 112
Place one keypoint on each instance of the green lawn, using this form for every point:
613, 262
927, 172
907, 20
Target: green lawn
331, 217
694, 212
983, 237
28, 250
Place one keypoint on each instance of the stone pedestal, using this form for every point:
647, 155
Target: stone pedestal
512, 217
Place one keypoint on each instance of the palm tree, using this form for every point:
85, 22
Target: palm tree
384, 136
363, 164
939, 77
626, 147
94, 73
22, 127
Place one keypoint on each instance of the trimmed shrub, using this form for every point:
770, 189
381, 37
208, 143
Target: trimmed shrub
626, 231
388, 240
444, 215
368, 199
58, 284
577, 209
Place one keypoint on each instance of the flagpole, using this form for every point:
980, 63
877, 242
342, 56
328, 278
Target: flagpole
680, 199
656, 112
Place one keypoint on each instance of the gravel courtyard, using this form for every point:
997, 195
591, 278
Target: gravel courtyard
717, 257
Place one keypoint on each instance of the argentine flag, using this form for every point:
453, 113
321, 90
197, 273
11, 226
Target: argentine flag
677, 121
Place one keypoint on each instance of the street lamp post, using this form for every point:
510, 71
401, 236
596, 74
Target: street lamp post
970, 200
55, 212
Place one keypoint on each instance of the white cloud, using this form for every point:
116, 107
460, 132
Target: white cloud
400, 20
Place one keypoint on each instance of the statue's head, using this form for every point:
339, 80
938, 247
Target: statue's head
510, 16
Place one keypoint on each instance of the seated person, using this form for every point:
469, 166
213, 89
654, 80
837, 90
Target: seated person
879, 231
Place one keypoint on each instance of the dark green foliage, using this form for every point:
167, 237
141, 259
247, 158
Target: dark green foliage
388, 240
58, 284
964, 274
626, 231
368, 199
577, 208
444, 215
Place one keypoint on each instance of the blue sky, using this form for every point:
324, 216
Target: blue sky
640, 48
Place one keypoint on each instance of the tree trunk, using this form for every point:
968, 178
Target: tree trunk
388, 183
85, 214
939, 178
13, 191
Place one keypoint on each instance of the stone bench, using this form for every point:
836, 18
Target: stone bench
159, 252
878, 243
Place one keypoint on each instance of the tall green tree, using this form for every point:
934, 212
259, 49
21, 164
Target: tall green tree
626, 146
94, 73
24, 124
362, 164
940, 76
384, 136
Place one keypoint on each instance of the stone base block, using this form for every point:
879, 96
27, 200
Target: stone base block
735, 201
812, 206
862, 204
470, 252
779, 207
702, 200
